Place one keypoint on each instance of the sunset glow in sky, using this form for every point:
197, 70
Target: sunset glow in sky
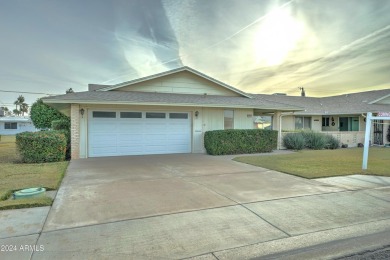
259, 46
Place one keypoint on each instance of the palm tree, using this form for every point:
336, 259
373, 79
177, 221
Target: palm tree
19, 102
6, 111
16, 112
23, 108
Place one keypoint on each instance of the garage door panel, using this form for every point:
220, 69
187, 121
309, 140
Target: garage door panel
130, 150
103, 139
130, 139
155, 149
178, 149
154, 138
133, 127
104, 127
135, 136
104, 151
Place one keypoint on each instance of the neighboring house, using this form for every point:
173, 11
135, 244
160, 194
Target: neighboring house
15, 125
342, 116
164, 113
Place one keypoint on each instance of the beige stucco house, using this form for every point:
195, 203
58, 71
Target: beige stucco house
164, 113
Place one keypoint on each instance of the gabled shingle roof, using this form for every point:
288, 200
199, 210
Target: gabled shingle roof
354, 103
151, 98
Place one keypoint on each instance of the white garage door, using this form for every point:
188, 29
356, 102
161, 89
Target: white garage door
112, 133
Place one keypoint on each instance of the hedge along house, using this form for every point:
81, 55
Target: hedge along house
164, 113
342, 116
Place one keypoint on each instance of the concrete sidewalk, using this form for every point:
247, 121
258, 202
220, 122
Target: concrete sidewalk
183, 206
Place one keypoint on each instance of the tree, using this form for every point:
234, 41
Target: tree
16, 112
23, 107
6, 111
42, 115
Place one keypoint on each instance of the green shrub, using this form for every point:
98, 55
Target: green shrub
63, 125
310, 140
237, 141
314, 140
44, 146
42, 115
331, 142
294, 141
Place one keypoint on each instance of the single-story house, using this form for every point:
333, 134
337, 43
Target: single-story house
167, 112
342, 116
11, 125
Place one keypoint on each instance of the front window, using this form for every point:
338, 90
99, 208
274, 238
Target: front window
302, 123
349, 123
263, 122
9, 125
228, 116
325, 121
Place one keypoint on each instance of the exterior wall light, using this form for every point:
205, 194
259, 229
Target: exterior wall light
82, 112
196, 114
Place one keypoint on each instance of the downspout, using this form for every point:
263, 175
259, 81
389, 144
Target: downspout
280, 128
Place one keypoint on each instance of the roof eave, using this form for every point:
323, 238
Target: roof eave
99, 102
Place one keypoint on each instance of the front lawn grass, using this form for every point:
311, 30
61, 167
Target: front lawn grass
15, 176
325, 163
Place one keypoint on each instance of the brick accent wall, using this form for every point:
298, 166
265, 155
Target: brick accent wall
75, 131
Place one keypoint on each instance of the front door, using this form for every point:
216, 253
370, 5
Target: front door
343, 123
378, 132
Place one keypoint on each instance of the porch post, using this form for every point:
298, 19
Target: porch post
278, 126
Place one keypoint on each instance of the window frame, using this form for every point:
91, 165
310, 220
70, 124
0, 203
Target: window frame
10, 124
303, 123
178, 113
325, 121
130, 112
155, 113
105, 117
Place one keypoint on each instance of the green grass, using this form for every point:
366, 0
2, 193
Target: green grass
15, 176
325, 163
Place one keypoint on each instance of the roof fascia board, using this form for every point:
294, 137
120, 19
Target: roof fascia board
166, 104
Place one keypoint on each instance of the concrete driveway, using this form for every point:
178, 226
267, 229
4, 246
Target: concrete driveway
189, 205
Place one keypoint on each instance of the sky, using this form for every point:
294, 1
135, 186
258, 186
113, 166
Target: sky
329, 47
